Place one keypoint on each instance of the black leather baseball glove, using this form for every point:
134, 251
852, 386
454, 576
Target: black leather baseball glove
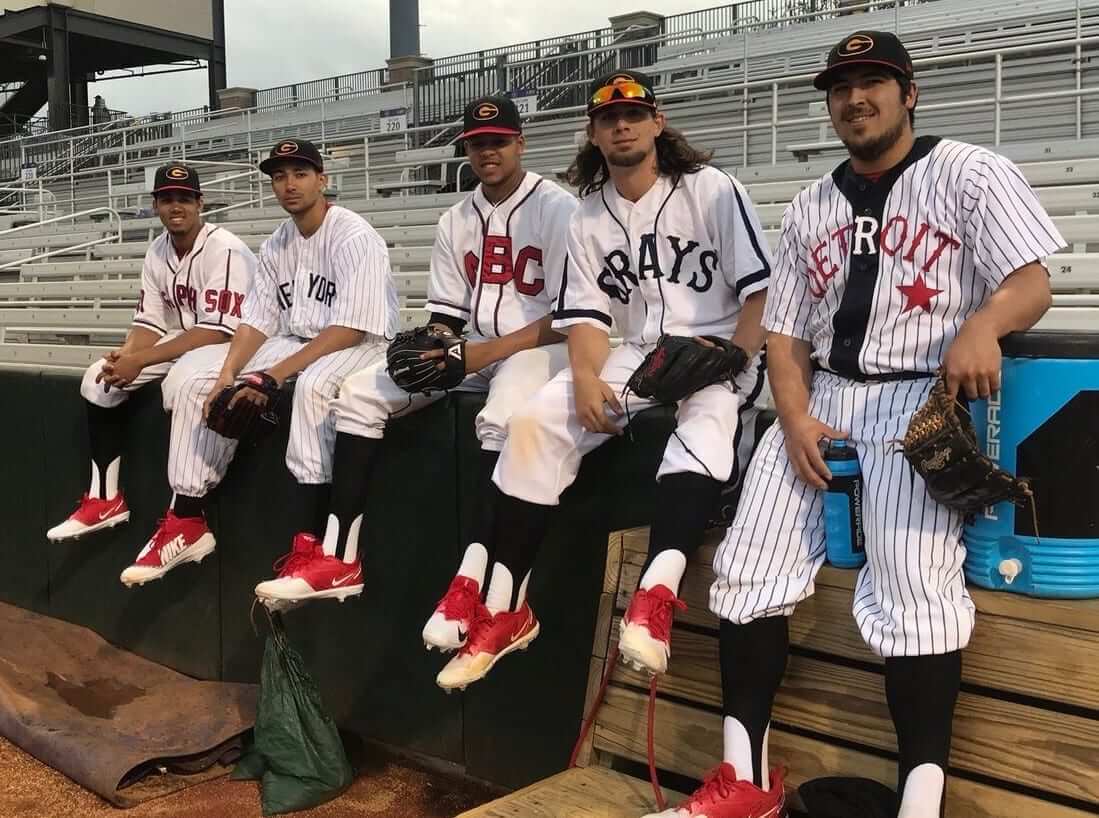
246, 421
414, 374
679, 366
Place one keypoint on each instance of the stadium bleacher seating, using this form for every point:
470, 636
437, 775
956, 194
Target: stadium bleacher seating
85, 298
54, 300
743, 94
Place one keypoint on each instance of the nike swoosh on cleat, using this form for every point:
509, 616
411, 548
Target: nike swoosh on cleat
342, 580
109, 512
519, 632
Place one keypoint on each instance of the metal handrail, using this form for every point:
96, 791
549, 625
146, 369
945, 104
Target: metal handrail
117, 238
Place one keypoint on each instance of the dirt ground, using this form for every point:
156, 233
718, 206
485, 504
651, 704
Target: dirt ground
384, 788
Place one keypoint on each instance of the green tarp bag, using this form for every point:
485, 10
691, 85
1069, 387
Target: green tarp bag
296, 753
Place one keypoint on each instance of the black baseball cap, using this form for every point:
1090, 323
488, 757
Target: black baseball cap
290, 149
865, 48
621, 86
176, 176
491, 114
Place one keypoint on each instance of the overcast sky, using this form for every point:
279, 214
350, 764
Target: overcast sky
269, 43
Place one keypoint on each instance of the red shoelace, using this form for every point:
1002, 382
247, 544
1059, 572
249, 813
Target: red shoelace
461, 601
716, 786
287, 564
661, 612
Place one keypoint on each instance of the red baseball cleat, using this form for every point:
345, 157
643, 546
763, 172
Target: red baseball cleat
176, 540
491, 638
723, 796
645, 632
91, 515
449, 625
306, 573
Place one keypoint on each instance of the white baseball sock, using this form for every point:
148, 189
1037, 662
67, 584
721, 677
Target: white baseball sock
923, 792
474, 563
666, 569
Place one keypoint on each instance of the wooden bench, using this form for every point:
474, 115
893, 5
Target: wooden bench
1026, 728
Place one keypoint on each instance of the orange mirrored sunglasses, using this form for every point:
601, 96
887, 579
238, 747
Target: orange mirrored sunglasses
621, 90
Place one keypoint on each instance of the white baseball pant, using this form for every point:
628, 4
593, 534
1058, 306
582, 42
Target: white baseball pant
100, 395
198, 457
368, 399
546, 441
910, 597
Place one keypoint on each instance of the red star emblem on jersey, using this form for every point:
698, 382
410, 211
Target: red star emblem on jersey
918, 294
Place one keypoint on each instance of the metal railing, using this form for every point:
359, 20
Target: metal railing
22, 200
536, 64
84, 187
180, 144
544, 67
767, 92
347, 85
115, 239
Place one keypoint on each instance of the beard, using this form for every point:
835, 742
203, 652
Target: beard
879, 146
626, 160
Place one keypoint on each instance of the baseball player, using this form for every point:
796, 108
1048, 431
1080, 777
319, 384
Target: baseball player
321, 305
661, 243
193, 284
496, 270
913, 255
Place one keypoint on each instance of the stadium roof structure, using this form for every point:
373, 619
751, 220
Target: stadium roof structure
50, 51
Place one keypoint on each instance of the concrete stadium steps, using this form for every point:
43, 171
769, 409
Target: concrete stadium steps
43, 330
72, 269
63, 299
697, 66
416, 235
49, 242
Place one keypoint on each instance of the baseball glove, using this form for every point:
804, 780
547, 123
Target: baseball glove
941, 446
679, 366
414, 374
246, 421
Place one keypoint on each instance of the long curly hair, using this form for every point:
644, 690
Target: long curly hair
674, 157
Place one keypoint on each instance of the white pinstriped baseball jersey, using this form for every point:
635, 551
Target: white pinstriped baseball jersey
499, 266
880, 277
205, 288
680, 260
338, 276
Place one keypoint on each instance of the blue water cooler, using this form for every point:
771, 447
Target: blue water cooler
1043, 425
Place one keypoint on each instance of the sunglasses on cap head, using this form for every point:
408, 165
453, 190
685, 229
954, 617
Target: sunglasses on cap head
621, 91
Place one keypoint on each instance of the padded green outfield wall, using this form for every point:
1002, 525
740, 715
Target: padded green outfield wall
516, 726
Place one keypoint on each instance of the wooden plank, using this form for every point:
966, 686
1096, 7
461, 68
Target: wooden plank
849, 703
603, 626
613, 570
1082, 614
595, 678
1047, 661
688, 741
592, 792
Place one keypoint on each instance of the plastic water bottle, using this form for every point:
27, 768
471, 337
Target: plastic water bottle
844, 540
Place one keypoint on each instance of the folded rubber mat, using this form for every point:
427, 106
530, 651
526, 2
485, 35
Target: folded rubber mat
121, 726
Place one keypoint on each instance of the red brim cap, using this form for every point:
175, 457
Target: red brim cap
490, 129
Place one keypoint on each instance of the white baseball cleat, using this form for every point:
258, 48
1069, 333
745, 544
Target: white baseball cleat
177, 540
448, 627
491, 638
645, 632
723, 796
306, 573
93, 514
